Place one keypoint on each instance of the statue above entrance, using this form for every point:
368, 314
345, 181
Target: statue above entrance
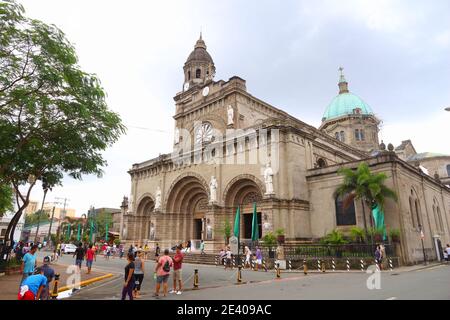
268, 179
230, 115
213, 190
158, 199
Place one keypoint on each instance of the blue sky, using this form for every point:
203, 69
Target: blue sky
395, 54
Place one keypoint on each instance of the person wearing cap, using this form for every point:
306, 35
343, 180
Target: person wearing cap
49, 273
33, 286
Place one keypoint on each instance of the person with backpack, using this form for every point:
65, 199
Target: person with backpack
162, 271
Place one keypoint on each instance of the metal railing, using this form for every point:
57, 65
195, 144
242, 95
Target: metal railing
297, 252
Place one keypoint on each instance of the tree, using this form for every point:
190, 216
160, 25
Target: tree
39, 215
54, 119
6, 199
366, 186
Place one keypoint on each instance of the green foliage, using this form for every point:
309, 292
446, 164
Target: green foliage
357, 234
394, 233
54, 119
225, 230
334, 237
279, 232
269, 240
6, 199
363, 184
101, 219
117, 242
38, 216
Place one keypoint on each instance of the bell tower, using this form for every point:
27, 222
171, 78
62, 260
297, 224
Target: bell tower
199, 67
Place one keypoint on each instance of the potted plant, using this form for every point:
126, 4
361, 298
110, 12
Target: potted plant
376, 234
357, 234
394, 234
280, 235
269, 240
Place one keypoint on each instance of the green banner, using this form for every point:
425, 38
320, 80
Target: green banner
237, 221
255, 227
79, 232
378, 217
106, 233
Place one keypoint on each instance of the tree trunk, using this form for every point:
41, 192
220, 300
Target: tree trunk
364, 219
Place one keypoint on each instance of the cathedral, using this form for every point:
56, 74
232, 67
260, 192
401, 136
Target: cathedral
232, 149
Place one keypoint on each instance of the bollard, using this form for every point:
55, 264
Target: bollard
362, 265
216, 260
196, 279
323, 266
333, 265
54, 293
239, 275
377, 265
252, 265
348, 265
290, 265
278, 270
305, 267
318, 265
391, 267
264, 265
234, 263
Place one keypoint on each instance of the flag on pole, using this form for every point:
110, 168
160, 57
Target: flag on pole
255, 227
106, 233
79, 232
237, 221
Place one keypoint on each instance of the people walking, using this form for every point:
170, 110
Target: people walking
157, 250
129, 278
448, 252
90, 256
378, 256
188, 246
177, 266
248, 255
79, 256
49, 273
29, 263
202, 247
228, 256
162, 271
259, 258
138, 274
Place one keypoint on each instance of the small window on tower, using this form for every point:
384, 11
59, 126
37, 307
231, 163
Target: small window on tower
361, 134
357, 137
198, 73
189, 75
357, 110
342, 135
337, 135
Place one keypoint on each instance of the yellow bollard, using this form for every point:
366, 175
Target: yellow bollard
239, 275
305, 267
196, 279
323, 266
54, 293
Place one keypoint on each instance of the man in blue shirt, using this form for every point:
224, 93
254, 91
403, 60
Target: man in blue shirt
32, 286
28, 263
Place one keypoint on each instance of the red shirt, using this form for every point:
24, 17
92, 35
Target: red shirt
177, 261
90, 254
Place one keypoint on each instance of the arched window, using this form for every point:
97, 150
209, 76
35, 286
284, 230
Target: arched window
437, 216
347, 216
359, 135
417, 206
342, 135
198, 73
336, 135
448, 170
321, 163
412, 212
189, 75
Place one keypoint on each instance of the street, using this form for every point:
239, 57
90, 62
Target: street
215, 283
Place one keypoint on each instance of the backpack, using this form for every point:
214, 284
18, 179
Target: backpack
166, 266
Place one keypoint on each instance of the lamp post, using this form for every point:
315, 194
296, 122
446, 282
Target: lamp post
46, 187
422, 236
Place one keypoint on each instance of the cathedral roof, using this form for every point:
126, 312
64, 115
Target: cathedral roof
345, 103
425, 155
200, 53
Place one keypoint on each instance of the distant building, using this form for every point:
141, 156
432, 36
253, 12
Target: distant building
60, 213
31, 208
93, 212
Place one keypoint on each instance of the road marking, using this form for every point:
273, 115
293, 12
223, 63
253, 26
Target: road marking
392, 298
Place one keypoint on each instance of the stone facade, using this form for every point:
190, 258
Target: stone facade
226, 133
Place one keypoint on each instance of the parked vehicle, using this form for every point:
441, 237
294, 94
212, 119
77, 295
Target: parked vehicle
69, 248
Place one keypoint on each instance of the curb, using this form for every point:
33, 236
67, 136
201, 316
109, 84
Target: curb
85, 282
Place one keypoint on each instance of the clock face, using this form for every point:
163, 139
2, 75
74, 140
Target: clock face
205, 91
204, 133
186, 86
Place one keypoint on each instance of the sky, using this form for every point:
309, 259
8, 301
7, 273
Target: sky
395, 54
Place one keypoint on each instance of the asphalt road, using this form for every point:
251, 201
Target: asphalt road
216, 283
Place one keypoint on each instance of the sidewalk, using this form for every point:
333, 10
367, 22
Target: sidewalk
9, 284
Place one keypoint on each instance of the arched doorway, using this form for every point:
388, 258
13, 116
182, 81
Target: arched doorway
244, 191
186, 208
143, 219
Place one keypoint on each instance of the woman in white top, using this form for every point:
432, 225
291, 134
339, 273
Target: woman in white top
248, 254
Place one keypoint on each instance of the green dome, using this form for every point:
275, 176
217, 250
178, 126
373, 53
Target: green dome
345, 103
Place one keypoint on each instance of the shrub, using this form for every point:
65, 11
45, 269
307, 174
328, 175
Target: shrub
279, 232
269, 240
357, 234
334, 237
